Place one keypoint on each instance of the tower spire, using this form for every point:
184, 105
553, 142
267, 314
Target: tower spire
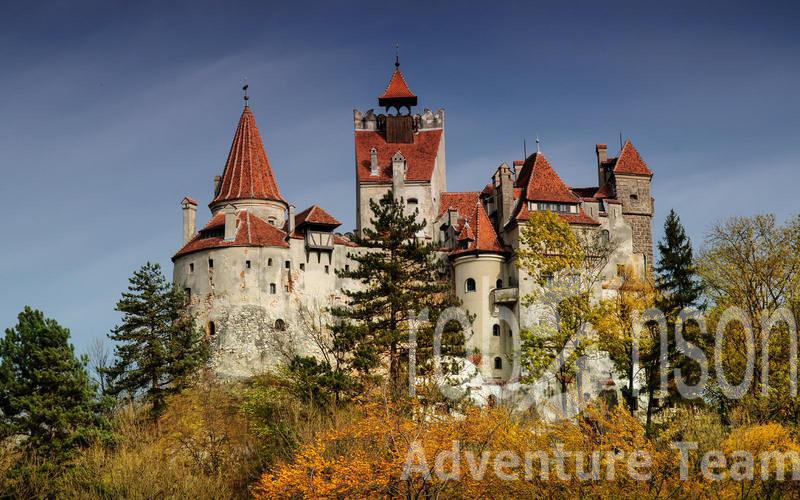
397, 55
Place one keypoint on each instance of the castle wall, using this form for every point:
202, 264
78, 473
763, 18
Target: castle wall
245, 309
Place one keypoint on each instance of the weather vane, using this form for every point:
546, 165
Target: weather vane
397, 55
244, 89
538, 148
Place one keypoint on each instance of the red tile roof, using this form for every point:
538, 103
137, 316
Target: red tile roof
248, 174
476, 226
251, 231
604, 192
397, 88
630, 162
420, 155
315, 215
542, 183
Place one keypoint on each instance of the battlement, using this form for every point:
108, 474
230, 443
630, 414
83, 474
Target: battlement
422, 121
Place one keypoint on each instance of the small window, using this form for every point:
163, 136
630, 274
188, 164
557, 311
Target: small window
498, 363
191, 267
634, 197
347, 267
269, 262
496, 330
280, 325
272, 221
210, 263
327, 270
247, 264
412, 201
499, 283
302, 267
287, 264
605, 237
212, 329
273, 289
469, 285
286, 288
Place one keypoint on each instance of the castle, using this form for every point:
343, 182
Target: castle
259, 274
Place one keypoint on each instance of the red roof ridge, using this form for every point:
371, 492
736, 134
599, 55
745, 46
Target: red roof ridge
251, 230
247, 173
315, 214
542, 183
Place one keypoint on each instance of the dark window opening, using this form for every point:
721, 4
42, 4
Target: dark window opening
469, 286
499, 283
247, 264
280, 325
269, 262
302, 267
347, 267
327, 270
212, 329
210, 263
496, 330
273, 289
287, 264
498, 363
634, 197
191, 267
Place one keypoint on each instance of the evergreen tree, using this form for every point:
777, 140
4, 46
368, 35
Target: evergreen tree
678, 288
158, 347
400, 278
677, 281
46, 394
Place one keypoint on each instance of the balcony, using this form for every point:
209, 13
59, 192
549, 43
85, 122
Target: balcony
508, 295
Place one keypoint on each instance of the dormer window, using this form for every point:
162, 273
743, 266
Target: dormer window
554, 207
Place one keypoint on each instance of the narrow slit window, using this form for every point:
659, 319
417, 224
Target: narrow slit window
211, 263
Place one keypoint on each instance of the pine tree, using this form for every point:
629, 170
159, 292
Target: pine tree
678, 288
677, 280
158, 347
46, 394
400, 278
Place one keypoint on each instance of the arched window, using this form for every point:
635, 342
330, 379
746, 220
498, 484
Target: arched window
496, 330
498, 363
269, 262
280, 325
605, 237
499, 283
469, 285
212, 329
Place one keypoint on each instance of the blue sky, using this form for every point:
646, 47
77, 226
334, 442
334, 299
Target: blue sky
111, 112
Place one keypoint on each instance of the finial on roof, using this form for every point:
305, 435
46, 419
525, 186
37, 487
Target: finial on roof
538, 144
244, 89
397, 55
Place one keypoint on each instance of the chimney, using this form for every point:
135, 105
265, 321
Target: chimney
230, 223
189, 207
373, 162
291, 219
602, 156
217, 181
398, 173
504, 195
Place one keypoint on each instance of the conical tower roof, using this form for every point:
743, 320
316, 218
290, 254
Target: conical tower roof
248, 174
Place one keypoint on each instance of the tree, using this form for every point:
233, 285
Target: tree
398, 274
46, 394
632, 347
677, 281
565, 263
678, 288
158, 348
753, 264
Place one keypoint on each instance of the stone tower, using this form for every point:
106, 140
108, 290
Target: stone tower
401, 151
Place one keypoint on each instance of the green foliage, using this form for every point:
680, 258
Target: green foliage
399, 277
158, 347
46, 395
677, 281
